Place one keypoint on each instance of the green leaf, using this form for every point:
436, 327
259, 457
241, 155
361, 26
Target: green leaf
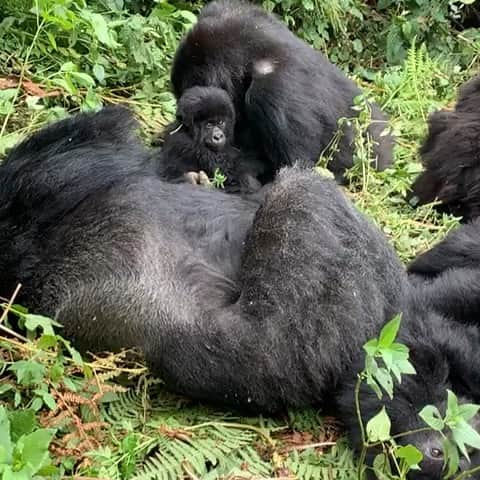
452, 404
406, 367
371, 347
10, 474
99, 72
5, 388
389, 332
47, 398
431, 416
464, 434
51, 39
450, 453
378, 427
6, 447
381, 467
100, 28
76, 357
35, 448
384, 378
28, 372
357, 45
83, 79
47, 341
22, 422
468, 410
188, 16
410, 455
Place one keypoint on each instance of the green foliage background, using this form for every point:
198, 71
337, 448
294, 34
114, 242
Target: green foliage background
61, 56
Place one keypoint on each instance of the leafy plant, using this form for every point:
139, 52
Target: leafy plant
385, 362
24, 447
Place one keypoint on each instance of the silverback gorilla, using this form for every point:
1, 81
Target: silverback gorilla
201, 140
259, 304
451, 156
229, 301
288, 97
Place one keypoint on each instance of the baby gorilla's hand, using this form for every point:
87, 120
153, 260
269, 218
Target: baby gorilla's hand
198, 178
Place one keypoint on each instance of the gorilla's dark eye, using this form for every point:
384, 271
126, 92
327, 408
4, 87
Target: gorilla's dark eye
221, 123
209, 124
436, 453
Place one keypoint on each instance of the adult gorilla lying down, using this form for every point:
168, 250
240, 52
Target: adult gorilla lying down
261, 307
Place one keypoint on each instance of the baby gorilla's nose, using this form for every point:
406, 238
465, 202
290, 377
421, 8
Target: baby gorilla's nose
218, 137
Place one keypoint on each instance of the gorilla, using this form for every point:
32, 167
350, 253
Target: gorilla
256, 303
445, 355
288, 97
450, 272
451, 156
201, 140
260, 304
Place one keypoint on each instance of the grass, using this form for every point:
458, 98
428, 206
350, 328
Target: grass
123, 424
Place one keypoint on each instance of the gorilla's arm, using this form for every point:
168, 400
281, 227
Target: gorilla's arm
177, 156
459, 249
455, 294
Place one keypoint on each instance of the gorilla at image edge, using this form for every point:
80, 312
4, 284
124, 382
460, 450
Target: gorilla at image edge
258, 307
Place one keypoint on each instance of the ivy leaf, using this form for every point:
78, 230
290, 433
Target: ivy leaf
378, 427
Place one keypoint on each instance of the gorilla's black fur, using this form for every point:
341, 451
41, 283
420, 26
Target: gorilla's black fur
260, 307
446, 356
288, 97
451, 156
450, 272
202, 139
131, 260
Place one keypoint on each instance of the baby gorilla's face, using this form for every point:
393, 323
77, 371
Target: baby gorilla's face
214, 133
208, 115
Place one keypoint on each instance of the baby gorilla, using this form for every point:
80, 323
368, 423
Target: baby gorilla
451, 156
201, 141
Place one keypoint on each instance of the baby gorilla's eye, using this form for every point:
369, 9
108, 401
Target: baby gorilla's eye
209, 124
221, 123
436, 453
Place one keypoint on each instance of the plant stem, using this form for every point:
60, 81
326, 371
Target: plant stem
363, 453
